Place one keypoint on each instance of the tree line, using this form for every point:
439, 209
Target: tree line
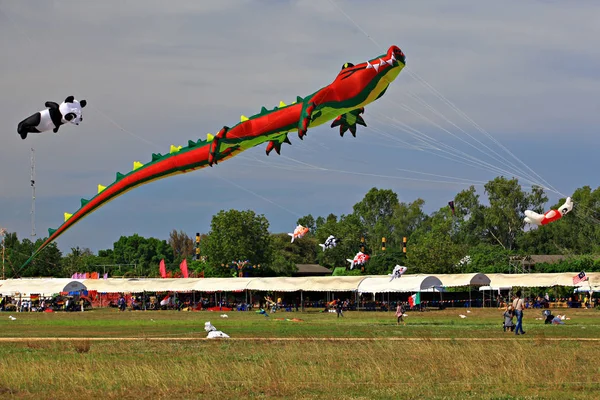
475, 235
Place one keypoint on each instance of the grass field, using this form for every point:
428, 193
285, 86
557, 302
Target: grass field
436, 355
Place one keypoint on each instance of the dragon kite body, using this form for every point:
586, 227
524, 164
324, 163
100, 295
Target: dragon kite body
342, 101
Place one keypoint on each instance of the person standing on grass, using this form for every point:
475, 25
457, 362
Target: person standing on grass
518, 308
400, 314
338, 308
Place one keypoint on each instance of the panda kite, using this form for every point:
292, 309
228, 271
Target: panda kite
52, 117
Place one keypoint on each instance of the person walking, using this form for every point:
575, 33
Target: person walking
518, 307
400, 314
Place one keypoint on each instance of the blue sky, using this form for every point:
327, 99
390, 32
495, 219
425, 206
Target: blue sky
158, 73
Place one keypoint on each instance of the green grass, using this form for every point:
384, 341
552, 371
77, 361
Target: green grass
531, 366
111, 323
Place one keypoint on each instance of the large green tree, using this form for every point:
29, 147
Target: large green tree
47, 263
302, 251
237, 235
469, 217
144, 253
406, 218
431, 248
503, 219
376, 211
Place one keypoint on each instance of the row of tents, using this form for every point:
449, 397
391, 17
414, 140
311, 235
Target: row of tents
374, 284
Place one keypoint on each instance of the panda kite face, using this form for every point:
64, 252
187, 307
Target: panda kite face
71, 111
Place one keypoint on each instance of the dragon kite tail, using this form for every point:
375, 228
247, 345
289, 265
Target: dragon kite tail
349, 121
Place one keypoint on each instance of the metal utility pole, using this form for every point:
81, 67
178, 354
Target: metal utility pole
3, 234
32, 179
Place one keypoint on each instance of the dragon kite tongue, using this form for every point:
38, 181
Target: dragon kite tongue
343, 101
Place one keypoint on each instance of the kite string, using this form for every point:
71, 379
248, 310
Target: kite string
357, 25
458, 155
123, 129
472, 122
423, 82
259, 196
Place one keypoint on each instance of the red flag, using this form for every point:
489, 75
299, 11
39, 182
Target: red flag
184, 268
163, 269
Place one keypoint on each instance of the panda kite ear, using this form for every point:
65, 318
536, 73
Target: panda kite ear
83, 103
69, 99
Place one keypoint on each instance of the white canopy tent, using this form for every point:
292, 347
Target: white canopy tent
457, 280
406, 283
222, 284
278, 284
461, 280
357, 284
44, 287
540, 280
333, 283
140, 285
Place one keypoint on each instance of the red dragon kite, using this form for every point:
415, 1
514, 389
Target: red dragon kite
342, 101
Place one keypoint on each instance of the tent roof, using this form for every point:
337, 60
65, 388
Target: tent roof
539, 280
278, 284
368, 284
333, 283
406, 283
222, 284
44, 286
114, 285
455, 280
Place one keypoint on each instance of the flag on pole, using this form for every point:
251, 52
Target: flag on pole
162, 269
579, 278
415, 299
184, 268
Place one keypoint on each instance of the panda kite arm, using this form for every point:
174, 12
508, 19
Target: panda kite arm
51, 104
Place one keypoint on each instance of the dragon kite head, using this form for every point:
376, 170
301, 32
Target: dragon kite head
396, 53
367, 81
